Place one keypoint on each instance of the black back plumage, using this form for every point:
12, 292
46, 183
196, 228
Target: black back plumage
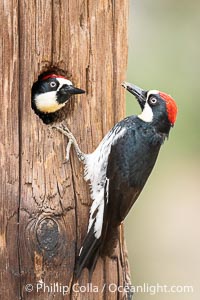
130, 163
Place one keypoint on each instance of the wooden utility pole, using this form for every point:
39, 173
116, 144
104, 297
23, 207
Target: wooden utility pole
44, 204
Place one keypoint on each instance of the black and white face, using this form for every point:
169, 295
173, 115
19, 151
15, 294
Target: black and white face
156, 106
52, 93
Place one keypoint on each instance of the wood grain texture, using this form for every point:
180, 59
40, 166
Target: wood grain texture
49, 199
9, 152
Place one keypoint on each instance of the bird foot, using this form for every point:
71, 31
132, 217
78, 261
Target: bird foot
64, 130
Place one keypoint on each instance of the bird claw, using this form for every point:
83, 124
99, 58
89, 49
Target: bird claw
65, 131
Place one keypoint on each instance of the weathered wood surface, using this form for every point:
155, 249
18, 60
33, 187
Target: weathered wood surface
45, 203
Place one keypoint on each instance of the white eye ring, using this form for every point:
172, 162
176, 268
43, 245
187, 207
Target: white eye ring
153, 100
52, 84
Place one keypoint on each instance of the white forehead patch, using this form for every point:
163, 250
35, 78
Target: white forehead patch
147, 113
63, 81
152, 92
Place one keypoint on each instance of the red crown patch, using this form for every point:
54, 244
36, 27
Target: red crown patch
171, 107
52, 76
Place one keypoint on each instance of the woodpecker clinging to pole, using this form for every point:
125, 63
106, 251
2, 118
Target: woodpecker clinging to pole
119, 168
50, 93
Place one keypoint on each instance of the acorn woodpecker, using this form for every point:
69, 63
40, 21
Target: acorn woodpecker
49, 94
119, 168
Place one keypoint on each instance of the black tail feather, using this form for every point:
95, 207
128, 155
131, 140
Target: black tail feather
88, 255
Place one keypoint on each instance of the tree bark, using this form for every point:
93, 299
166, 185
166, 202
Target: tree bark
45, 203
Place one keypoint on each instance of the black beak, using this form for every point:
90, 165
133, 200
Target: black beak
70, 89
137, 92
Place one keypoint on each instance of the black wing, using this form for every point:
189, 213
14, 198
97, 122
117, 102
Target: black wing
130, 163
122, 174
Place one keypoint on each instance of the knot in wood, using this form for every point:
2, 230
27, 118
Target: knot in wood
47, 233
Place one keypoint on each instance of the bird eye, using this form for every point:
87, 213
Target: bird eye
52, 84
153, 101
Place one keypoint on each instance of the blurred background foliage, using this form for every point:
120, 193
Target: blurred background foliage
163, 228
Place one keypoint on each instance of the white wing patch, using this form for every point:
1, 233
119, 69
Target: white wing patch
107, 189
99, 220
95, 171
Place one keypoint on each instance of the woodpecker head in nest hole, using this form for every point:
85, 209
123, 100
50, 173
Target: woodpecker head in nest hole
158, 108
50, 93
